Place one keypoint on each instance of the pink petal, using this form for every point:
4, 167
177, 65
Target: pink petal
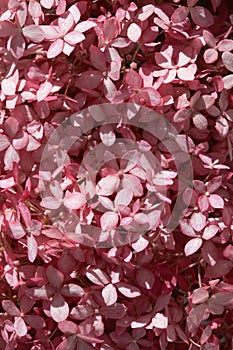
160, 321
210, 56
222, 126
74, 37
140, 245
192, 246
108, 185
216, 201
134, 32
209, 38
151, 96
109, 294
4, 142
201, 16
132, 182
55, 48
17, 230
59, 308
123, 198
84, 26
227, 58
10, 308
44, 91
203, 203
20, 327
210, 231
180, 14
107, 135
200, 121
187, 74
50, 203
200, 295
108, 221
74, 200
33, 33
46, 4
198, 221
32, 248
187, 230
50, 32
225, 45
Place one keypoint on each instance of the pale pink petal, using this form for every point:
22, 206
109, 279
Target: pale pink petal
209, 39
216, 201
74, 37
17, 230
109, 294
192, 246
55, 48
59, 308
198, 221
84, 26
32, 248
227, 58
107, 135
225, 45
160, 321
50, 32
188, 73
108, 221
128, 290
33, 33
108, 185
134, 32
44, 90
50, 202
210, 56
210, 231
74, 200
123, 198
20, 327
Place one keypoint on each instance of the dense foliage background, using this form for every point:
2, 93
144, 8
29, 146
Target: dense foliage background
165, 290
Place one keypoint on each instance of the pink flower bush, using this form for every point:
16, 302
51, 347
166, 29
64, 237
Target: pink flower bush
89, 258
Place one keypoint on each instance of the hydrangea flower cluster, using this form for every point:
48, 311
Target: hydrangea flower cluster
87, 259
